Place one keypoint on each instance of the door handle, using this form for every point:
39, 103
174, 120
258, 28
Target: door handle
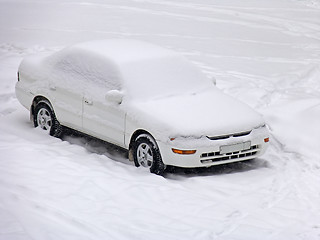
52, 87
88, 102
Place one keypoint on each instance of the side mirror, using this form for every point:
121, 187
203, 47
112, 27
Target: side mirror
214, 80
114, 96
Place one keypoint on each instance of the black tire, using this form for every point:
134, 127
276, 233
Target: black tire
144, 147
45, 118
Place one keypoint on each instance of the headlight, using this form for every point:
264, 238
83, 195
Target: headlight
186, 144
185, 138
260, 126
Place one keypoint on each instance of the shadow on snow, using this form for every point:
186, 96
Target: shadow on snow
119, 154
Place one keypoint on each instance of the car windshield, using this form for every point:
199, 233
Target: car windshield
162, 77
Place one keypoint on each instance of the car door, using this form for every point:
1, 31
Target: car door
66, 93
103, 119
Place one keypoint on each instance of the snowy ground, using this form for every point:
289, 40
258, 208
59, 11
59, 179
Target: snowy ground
264, 52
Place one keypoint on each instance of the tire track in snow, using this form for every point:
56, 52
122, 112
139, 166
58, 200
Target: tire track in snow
211, 19
250, 19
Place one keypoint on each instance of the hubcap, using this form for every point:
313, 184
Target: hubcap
144, 155
44, 119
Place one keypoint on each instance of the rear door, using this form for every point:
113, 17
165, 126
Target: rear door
66, 91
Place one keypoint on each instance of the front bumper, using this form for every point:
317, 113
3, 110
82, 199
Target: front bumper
215, 152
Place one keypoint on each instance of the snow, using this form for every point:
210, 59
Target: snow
264, 53
124, 50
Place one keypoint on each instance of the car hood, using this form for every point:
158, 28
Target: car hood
209, 113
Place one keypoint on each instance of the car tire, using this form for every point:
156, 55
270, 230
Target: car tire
45, 118
146, 154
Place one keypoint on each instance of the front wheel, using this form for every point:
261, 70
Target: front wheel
146, 154
45, 118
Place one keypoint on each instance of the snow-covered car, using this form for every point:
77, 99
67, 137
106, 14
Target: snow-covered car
141, 97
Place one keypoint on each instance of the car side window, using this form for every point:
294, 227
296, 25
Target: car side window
87, 72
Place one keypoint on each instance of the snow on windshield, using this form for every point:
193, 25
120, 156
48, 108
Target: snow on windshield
163, 76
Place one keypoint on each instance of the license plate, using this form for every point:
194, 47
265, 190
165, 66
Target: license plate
235, 147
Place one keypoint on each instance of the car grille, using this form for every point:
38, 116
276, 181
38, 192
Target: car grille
229, 135
217, 156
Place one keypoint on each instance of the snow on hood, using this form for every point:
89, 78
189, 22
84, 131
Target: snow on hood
209, 113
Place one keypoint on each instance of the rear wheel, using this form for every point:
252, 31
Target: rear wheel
146, 154
45, 118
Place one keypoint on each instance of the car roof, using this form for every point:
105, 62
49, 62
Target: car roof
124, 50
143, 70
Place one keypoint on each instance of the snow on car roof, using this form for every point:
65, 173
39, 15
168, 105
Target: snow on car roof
124, 50
145, 70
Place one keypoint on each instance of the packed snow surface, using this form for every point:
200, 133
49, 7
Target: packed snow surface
265, 53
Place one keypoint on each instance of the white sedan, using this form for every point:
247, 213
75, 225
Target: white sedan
141, 97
